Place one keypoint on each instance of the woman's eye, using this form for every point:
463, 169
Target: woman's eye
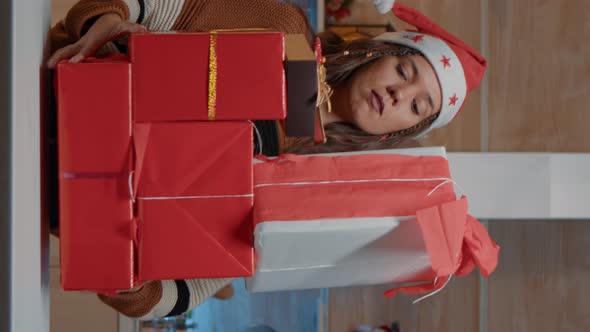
415, 107
401, 72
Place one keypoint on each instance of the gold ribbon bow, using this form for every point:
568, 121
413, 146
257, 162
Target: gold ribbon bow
325, 91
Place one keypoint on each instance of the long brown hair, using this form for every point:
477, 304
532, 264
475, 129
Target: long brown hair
343, 58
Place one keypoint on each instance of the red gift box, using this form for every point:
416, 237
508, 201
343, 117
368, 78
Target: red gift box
194, 190
192, 180
94, 139
206, 76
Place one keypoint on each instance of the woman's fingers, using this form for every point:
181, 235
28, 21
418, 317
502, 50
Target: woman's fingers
94, 43
77, 58
123, 29
63, 53
87, 49
133, 28
96, 37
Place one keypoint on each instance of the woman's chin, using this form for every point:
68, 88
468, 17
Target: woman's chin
369, 124
368, 129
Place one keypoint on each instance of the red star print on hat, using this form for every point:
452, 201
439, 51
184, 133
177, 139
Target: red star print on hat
445, 61
418, 38
459, 68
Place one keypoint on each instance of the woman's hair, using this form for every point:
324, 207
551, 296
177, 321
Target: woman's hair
343, 58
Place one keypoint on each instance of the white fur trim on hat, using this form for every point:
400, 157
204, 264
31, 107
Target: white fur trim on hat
383, 6
447, 66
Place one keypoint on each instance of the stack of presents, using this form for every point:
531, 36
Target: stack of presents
158, 178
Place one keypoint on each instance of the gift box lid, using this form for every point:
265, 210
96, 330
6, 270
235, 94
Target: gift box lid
223, 75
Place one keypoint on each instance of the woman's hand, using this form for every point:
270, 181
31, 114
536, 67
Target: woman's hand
383, 6
133, 289
108, 27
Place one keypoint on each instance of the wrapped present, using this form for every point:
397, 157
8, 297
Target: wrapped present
221, 75
301, 69
94, 139
137, 199
193, 185
363, 218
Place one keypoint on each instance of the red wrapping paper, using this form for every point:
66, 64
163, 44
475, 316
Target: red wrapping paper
94, 99
368, 197
194, 191
171, 76
94, 139
96, 234
456, 243
168, 80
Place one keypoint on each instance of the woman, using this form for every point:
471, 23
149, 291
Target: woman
387, 90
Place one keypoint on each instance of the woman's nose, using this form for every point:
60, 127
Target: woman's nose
395, 94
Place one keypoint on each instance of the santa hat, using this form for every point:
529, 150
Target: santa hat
459, 67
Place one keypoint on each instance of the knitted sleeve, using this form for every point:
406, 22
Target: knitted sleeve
184, 15
85, 10
164, 298
204, 15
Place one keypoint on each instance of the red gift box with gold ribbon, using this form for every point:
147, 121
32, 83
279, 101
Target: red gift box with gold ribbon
223, 75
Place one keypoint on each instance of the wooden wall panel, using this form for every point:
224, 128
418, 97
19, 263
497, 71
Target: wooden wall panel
539, 75
354, 306
455, 309
542, 281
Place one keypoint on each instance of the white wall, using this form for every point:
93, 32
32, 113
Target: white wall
24, 258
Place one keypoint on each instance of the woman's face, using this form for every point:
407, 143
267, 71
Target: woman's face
389, 94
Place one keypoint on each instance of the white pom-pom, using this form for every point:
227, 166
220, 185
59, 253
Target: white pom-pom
383, 6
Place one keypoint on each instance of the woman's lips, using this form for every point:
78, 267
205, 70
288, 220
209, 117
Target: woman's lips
377, 102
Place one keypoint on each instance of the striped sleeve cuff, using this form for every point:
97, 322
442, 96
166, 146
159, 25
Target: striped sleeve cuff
202, 289
182, 301
167, 301
135, 7
180, 296
160, 15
